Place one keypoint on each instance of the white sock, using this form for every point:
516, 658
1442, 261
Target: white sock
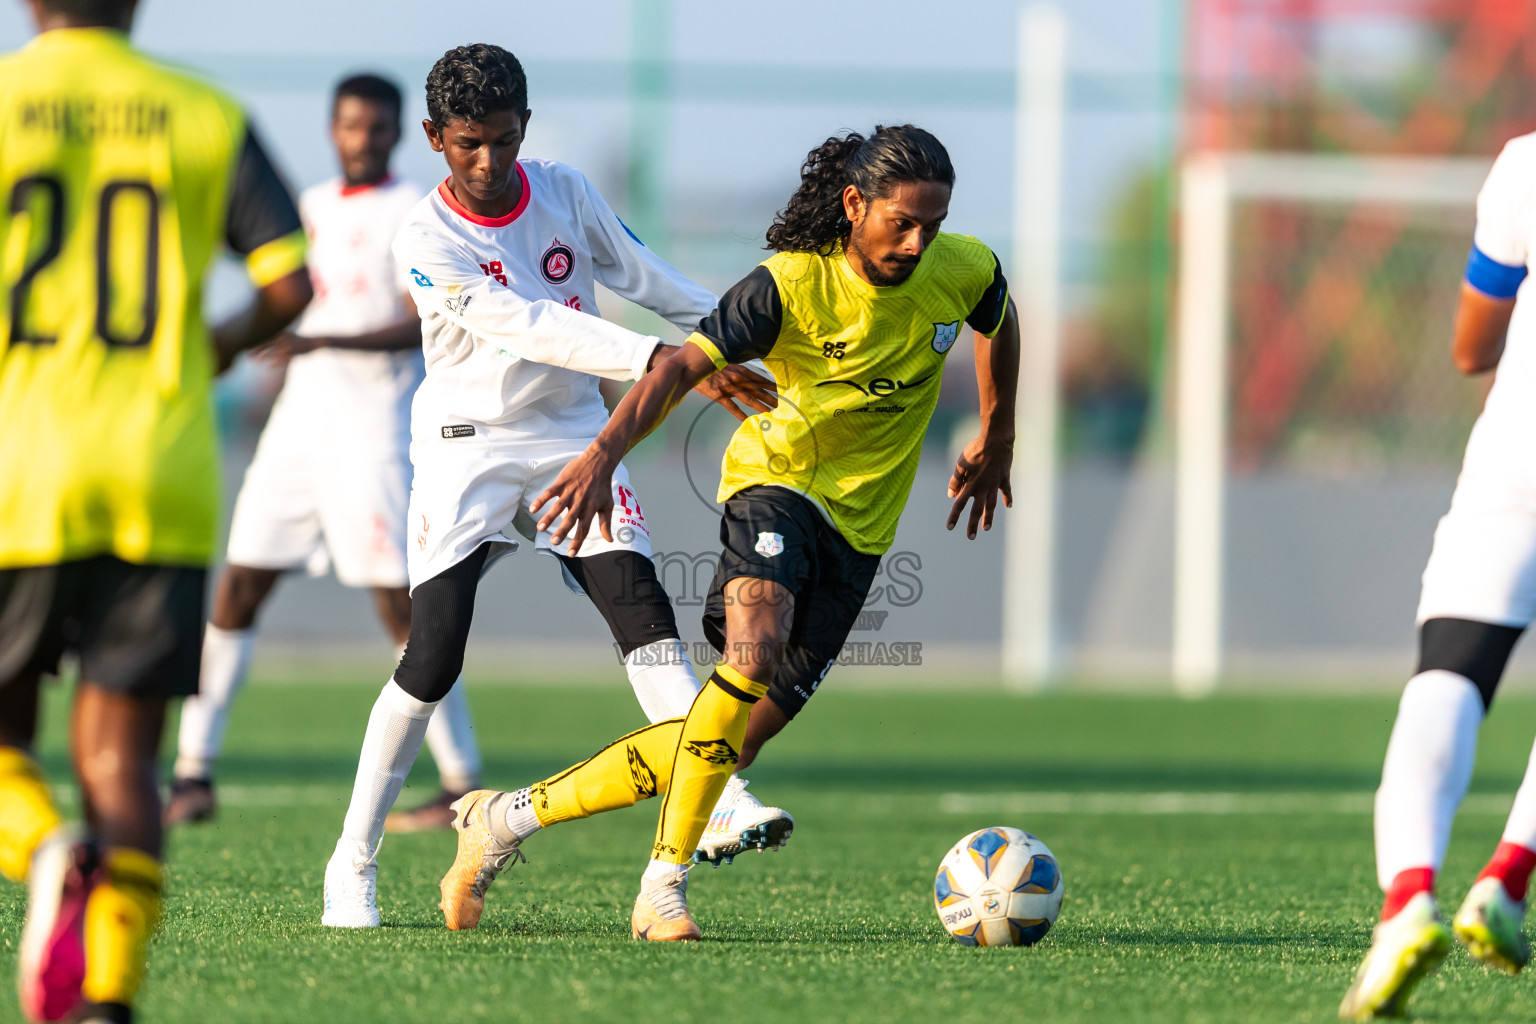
395, 730
1521, 826
663, 678
205, 717
451, 739
519, 816
1427, 770
658, 870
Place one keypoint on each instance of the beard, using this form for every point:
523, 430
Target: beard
888, 272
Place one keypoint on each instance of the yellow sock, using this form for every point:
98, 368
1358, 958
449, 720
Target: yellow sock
706, 755
632, 768
120, 916
27, 813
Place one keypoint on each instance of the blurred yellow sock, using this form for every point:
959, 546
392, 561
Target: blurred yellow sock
632, 768
706, 755
27, 813
120, 916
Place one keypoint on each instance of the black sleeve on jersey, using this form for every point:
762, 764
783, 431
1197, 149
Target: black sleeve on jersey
746, 323
988, 312
261, 209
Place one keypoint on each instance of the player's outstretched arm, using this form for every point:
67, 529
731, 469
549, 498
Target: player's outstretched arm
276, 305
983, 467
584, 489
1477, 342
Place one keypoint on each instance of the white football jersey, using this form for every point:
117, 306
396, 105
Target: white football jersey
1506, 232
346, 394
514, 344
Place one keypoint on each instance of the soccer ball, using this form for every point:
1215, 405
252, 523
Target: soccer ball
998, 887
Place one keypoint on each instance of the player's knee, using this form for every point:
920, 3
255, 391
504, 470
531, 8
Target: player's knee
1479, 651
624, 587
240, 594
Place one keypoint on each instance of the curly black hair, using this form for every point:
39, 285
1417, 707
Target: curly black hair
813, 220
472, 82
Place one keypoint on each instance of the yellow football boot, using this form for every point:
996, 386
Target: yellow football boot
1403, 950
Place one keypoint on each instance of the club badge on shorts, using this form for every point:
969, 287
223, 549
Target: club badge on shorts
769, 544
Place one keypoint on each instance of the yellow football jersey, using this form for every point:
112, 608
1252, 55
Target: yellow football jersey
119, 178
858, 368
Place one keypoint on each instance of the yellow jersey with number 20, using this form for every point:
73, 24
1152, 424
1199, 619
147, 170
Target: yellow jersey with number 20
119, 178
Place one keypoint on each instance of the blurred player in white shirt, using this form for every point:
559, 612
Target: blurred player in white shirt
1479, 595
503, 260
329, 483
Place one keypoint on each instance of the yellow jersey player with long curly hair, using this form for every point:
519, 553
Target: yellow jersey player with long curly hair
855, 315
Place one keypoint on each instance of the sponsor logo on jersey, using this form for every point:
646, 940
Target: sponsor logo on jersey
558, 262
421, 534
459, 430
457, 304
713, 751
769, 544
496, 272
880, 386
422, 280
944, 336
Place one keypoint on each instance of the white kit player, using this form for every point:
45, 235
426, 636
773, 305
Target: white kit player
503, 259
330, 479
1479, 594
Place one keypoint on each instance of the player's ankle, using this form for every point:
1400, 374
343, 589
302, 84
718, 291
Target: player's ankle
659, 871
1512, 865
512, 817
1405, 886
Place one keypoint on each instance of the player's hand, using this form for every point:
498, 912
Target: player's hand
738, 384
583, 491
283, 347
980, 474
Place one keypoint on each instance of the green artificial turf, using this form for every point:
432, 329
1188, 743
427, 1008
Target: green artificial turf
1247, 916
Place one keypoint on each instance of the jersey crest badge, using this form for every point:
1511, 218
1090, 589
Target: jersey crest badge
769, 544
557, 263
944, 336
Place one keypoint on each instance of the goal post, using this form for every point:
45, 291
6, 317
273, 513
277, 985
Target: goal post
1212, 184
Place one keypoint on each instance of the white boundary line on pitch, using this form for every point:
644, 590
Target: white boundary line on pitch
1100, 803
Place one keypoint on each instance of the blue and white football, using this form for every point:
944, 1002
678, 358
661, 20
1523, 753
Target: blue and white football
998, 887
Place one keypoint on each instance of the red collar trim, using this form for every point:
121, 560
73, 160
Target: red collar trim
486, 222
352, 190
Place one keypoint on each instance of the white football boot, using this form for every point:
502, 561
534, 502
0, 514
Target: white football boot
351, 887
1492, 927
741, 822
1403, 950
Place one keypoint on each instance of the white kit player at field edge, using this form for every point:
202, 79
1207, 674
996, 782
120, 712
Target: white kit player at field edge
1479, 595
515, 350
330, 479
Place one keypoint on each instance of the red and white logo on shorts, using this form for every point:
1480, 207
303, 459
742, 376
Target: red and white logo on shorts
769, 544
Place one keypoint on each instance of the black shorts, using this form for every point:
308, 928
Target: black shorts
772, 533
138, 629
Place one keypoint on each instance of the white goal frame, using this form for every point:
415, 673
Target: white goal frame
1211, 184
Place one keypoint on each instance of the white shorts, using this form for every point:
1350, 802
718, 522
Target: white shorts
464, 495
1483, 564
304, 506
